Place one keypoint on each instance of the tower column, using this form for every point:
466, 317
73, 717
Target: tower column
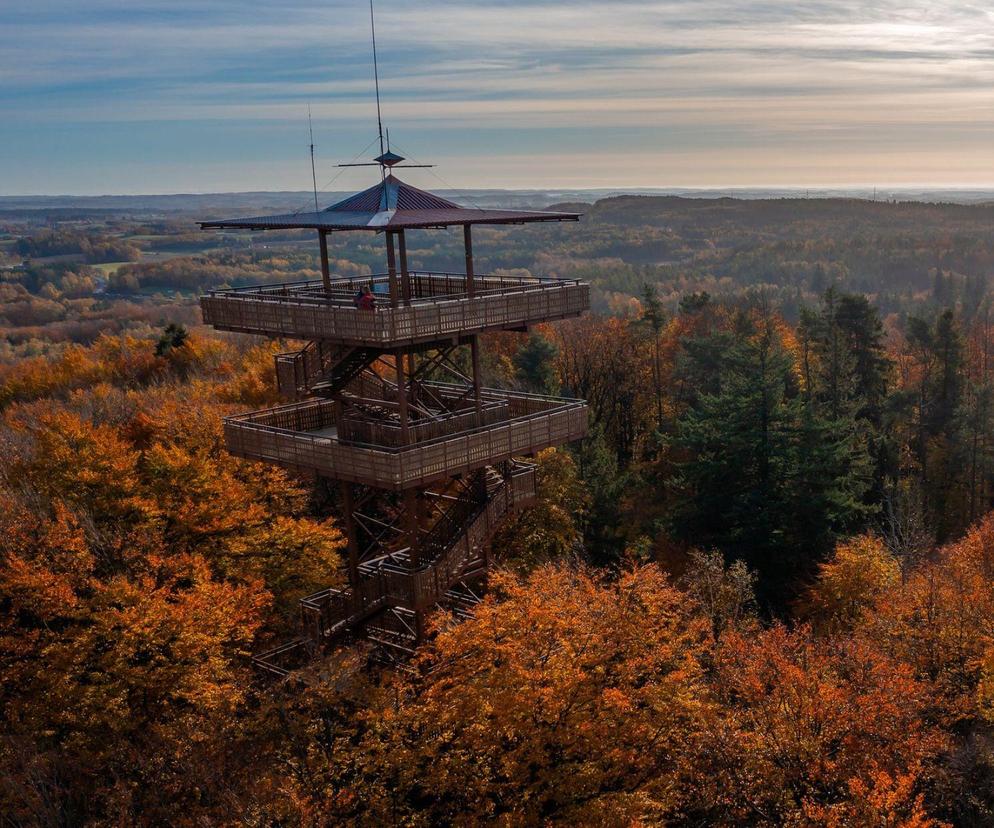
392, 269
405, 275
474, 350
325, 269
348, 509
467, 236
474, 344
411, 504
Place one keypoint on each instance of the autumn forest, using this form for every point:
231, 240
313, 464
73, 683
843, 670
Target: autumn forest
760, 592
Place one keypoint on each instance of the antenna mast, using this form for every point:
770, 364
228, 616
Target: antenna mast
386, 160
376, 76
314, 178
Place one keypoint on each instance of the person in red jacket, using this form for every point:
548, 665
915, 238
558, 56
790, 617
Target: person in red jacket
367, 301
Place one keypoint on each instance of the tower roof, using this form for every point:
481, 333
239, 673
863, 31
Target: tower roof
390, 205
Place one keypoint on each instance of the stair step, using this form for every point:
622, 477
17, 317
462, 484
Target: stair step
406, 646
353, 363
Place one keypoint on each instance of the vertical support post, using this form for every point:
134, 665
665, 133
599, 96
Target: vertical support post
325, 269
412, 508
392, 269
474, 349
405, 274
400, 364
348, 507
474, 344
411, 503
411, 373
467, 235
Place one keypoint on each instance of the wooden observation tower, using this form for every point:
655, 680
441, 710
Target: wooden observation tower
389, 402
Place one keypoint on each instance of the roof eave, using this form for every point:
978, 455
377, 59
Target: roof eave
235, 224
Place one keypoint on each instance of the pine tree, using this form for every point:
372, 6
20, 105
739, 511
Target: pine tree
652, 314
734, 485
846, 372
770, 475
535, 365
943, 423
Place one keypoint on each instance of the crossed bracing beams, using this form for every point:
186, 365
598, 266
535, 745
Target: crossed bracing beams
383, 532
323, 369
394, 630
416, 368
391, 534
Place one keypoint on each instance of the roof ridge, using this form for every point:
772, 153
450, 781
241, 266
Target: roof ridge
391, 194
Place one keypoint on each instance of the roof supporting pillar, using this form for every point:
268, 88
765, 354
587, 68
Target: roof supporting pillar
467, 235
405, 274
325, 269
392, 269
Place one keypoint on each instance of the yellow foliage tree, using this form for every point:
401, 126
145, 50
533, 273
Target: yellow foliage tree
551, 529
860, 571
567, 696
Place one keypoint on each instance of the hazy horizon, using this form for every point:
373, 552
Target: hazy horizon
492, 195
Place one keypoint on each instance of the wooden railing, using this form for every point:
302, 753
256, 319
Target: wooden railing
284, 435
430, 583
305, 311
426, 286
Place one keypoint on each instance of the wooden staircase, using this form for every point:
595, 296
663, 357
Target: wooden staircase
383, 604
320, 369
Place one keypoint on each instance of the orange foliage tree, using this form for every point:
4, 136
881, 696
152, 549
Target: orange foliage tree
812, 729
138, 563
567, 695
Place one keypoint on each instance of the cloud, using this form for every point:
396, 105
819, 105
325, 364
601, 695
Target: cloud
738, 77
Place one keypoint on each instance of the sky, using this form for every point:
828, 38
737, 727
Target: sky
169, 96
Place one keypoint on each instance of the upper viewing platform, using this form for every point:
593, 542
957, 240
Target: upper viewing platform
404, 307
434, 306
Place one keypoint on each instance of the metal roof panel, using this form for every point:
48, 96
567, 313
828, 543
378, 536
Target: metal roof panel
390, 205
